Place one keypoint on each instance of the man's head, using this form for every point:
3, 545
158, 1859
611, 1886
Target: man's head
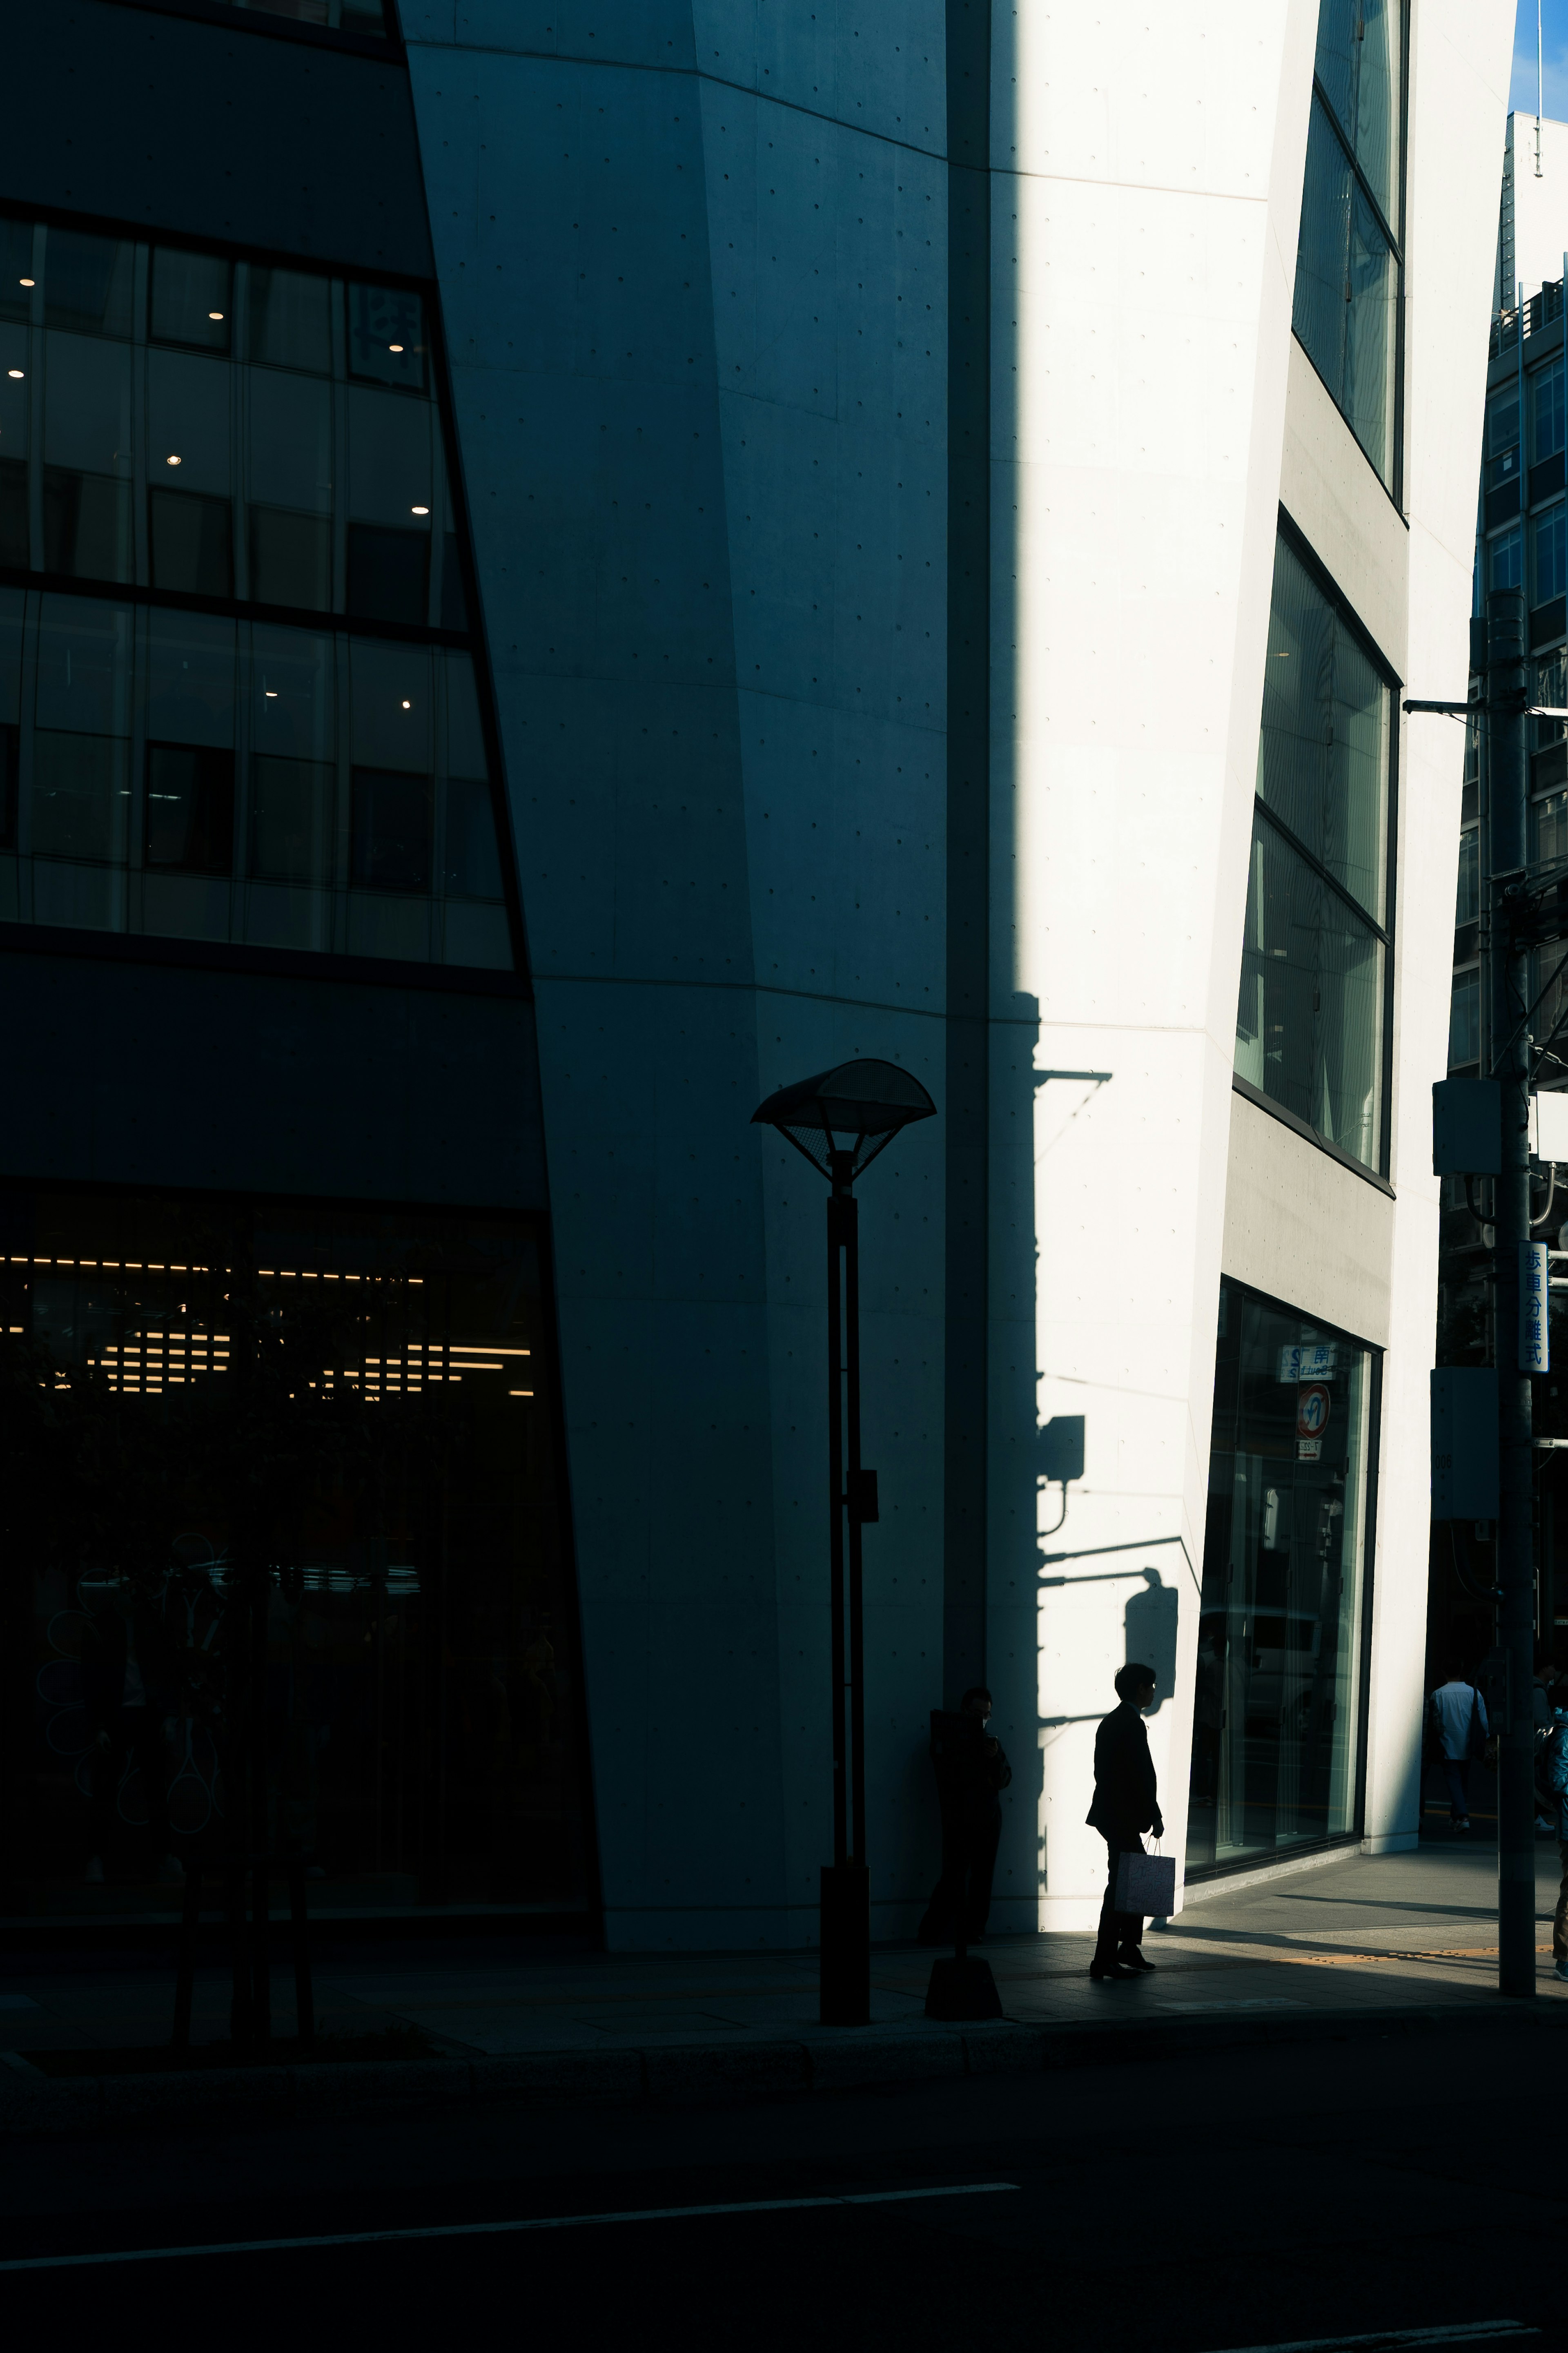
977, 1701
1135, 1684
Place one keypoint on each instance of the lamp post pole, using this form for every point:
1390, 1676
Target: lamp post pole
845, 1954
868, 1101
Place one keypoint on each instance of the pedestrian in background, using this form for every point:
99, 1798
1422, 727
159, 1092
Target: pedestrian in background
1126, 1804
1458, 1715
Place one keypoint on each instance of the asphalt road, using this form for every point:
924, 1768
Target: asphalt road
1244, 2197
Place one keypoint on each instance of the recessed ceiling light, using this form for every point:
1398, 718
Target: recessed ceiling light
412, 510
214, 314
271, 692
171, 461
26, 282
409, 706
395, 347
15, 372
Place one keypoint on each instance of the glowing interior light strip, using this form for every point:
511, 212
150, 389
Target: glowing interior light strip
520, 1392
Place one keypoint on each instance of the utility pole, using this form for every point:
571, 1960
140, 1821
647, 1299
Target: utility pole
1507, 971
1518, 911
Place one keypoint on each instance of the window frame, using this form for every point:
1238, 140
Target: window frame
1387, 930
1394, 488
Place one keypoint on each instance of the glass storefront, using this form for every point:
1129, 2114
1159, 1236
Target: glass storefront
1277, 1715
282, 1509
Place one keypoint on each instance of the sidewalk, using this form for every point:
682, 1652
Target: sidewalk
1396, 1942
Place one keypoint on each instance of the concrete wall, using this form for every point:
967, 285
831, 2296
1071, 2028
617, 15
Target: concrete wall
693, 279
1155, 415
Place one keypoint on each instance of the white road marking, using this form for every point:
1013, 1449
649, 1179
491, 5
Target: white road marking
1388, 2340
495, 2230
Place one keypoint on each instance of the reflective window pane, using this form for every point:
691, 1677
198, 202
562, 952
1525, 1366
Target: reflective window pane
190, 679
1547, 404
187, 422
88, 282
15, 269
1507, 560
81, 796
189, 809
191, 299
391, 712
1345, 300
291, 441
1279, 1663
84, 665
1468, 904
293, 693
290, 318
291, 821
386, 336
1547, 556
1465, 1020
473, 860
1308, 1031
392, 830
1358, 64
1322, 750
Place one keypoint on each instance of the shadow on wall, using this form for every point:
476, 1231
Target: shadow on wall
1150, 1619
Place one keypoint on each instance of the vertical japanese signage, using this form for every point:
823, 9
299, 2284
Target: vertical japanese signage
1533, 1299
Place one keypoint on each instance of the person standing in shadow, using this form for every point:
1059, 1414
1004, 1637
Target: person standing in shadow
970, 1770
1126, 1804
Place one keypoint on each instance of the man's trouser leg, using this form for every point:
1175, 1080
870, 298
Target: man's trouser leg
1116, 1929
1458, 1769
981, 1860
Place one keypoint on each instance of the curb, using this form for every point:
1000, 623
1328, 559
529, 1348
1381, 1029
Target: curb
232, 2098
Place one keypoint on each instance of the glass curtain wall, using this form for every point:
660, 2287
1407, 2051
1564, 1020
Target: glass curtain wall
237, 694
347, 1415
1276, 1740
1314, 968
1348, 261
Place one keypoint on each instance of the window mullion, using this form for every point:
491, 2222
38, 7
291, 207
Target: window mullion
1323, 874
1362, 182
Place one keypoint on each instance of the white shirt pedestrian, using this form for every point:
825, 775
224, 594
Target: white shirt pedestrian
1455, 1705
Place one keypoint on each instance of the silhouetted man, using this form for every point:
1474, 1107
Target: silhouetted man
1126, 1804
970, 1770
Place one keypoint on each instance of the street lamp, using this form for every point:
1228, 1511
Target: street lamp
864, 1105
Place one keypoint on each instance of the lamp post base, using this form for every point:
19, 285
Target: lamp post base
845, 1953
963, 1988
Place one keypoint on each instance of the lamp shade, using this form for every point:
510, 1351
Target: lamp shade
858, 1107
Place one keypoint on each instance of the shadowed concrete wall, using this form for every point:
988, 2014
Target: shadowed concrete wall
693, 280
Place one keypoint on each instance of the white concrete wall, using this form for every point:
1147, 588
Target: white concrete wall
1154, 413
1149, 183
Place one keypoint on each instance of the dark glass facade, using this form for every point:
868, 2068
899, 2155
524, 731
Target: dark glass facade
1281, 1634
237, 701
350, 1414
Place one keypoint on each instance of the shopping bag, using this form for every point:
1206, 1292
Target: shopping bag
1146, 1883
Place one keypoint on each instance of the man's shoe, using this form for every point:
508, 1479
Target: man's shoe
1560, 1970
1464, 1825
1116, 1970
1134, 1963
